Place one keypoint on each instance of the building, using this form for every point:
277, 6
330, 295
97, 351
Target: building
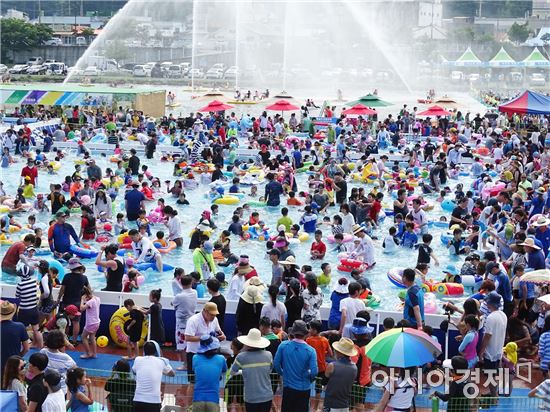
541, 9
16, 14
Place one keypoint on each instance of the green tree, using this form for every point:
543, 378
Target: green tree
88, 31
20, 35
518, 33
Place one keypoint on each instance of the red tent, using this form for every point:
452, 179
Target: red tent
282, 106
528, 102
359, 109
215, 106
434, 111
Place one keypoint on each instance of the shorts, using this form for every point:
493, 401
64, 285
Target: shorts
320, 381
28, 316
180, 338
205, 407
91, 328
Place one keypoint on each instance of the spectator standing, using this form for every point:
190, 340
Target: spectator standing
36, 391
349, 307
27, 293
249, 309
490, 352
208, 367
185, 304
255, 364
14, 339
120, 387
413, 311
57, 359
504, 287
341, 375
296, 362
55, 400
13, 378
148, 370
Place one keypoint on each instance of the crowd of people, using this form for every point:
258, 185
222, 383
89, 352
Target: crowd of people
498, 234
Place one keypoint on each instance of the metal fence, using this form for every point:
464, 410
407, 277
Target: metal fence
114, 393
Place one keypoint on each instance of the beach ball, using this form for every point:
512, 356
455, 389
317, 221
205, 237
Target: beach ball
102, 341
108, 227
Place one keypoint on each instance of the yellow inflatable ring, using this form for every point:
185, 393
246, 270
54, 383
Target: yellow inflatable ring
351, 166
206, 232
79, 162
4, 209
118, 181
227, 200
55, 165
14, 229
114, 159
116, 328
302, 236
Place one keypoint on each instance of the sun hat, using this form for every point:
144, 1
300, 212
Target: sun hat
357, 228
541, 221
208, 343
360, 327
211, 308
255, 281
74, 263
53, 379
254, 339
345, 346
72, 310
252, 294
451, 270
493, 299
291, 260
7, 310
208, 246
341, 286
530, 242
298, 328
457, 363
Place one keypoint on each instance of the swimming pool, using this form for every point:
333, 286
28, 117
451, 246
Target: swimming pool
255, 249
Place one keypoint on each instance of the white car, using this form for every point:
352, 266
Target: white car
195, 73
537, 79
141, 71
19, 69
175, 72
457, 76
54, 41
37, 69
213, 73
35, 60
231, 73
219, 66
91, 71
474, 77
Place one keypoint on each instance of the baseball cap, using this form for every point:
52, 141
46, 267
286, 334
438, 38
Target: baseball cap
490, 266
211, 308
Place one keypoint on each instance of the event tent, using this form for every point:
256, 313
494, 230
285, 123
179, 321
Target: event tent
502, 59
371, 100
468, 58
529, 102
536, 59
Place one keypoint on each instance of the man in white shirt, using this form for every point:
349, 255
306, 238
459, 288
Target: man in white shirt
148, 370
202, 323
365, 249
419, 216
144, 250
493, 340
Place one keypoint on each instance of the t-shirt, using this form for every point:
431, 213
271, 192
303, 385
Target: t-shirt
59, 362
36, 391
309, 222
286, 221
256, 367
92, 312
208, 372
221, 304
148, 371
495, 325
320, 247
11, 258
12, 335
74, 283
133, 199
352, 306
55, 402
424, 253
503, 286
543, 390
31, 172
321, 346
121, 392
415, 297
185, 304
273, 312
197, 326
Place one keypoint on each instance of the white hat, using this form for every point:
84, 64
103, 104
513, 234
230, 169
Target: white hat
254, 339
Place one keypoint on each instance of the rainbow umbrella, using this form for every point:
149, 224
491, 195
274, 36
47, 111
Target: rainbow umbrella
403, 348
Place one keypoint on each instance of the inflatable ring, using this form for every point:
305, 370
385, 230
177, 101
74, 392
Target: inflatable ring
227, 200
140, 278
395, 277
42, 251
303, 236
55, 165
372, 301
347, 238
171, 246
427, 287
114, 159
60, 269
118, 181
255, 203
79, 161
14, 229
430, 303
448, 205
83, 252
4, 209
117, 329
143, 266
449, 289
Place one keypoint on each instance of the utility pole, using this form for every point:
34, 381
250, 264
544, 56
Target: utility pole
480, 7
81, 8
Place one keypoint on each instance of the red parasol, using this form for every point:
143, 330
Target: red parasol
359, 109
282, 106
215, 106
434, 111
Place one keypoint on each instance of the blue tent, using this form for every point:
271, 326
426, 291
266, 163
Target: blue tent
529, 102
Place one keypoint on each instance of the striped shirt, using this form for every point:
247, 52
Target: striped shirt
27, 292
544, 351
543, 390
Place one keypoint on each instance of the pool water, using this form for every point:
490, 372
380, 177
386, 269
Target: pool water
256, 250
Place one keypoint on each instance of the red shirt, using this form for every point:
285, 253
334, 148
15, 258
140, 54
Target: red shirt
85, 224
374, 210
32, 172
321, 346
320, 247
11, 257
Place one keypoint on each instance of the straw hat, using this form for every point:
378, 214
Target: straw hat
254, 339
7, 310
541, 221
530, 242
345, 346
255, 281
252, 295
357, 228
291, 260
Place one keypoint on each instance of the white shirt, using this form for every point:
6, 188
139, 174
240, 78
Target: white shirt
347, 222
144, 250
495, 325
236, 287
497, 153
148, 371
273, 312
366, 250
55, 402
352, 306
174, 228
197, 326
389, 244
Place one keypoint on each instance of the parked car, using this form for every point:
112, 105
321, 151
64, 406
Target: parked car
516, 77
37, 69
164, 67
537, 79
213, 73
35, 60
474, 77
19, 69
156, 71
127, 68
3, 68
81, 41
231, 73
141, 71
185, 67
195, 73
457, 76
175, 72
55, 68
91, 71
219, 66
54, 41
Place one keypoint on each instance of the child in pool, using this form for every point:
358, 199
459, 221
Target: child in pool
131, 284
143, 223
160, 239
